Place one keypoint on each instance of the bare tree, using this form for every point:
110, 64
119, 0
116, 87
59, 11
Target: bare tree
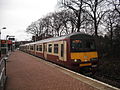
113, 18
76, 6
63, 22
33, 28
54, 24
111, 22
96, 9
114, 5
68, 22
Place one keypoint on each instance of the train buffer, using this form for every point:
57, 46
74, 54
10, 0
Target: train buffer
26, 72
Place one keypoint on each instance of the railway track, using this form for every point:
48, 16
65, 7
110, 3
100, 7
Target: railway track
107, 79
114, 81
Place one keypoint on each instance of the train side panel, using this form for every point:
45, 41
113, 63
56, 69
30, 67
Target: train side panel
57, 52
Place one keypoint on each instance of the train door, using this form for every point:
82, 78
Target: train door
45, 50
63, 51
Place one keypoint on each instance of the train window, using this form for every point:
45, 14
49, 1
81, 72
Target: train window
45, 47
31, 47
34, 47
40, 47
55, 48
37, 48
28, 47
50, 48
62, 50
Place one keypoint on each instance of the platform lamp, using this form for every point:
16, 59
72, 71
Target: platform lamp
0, 39
7, 45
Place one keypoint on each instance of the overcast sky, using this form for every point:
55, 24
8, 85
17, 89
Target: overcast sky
16, 15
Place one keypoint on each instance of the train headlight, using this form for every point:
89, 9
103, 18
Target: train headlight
75, 60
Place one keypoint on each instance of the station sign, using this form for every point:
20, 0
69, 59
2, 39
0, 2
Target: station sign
4, 42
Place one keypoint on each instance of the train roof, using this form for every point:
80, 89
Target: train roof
58, 38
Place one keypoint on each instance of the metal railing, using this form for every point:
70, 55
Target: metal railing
2, 73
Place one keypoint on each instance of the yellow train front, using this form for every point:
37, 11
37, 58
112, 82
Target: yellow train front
83, 51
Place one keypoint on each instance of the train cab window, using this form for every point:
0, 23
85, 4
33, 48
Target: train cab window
76, 45
56, 48
90, 45
50, 48
82, 45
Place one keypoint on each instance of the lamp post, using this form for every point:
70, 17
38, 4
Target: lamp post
0, 39
7, 45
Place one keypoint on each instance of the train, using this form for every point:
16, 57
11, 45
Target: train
74, 51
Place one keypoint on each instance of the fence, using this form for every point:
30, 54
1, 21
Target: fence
2, 73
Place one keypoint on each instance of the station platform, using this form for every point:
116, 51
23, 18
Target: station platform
26, 72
